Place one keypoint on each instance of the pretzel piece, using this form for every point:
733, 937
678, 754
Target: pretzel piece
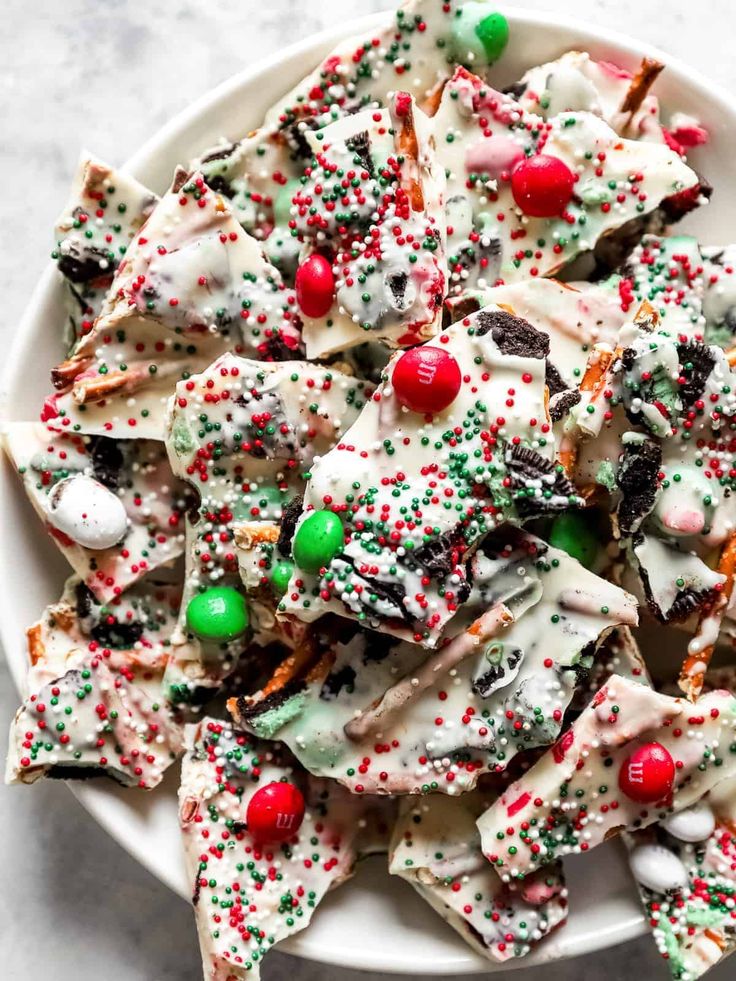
487, 626
647, 74
700, 649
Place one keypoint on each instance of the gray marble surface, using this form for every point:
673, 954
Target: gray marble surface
106, 75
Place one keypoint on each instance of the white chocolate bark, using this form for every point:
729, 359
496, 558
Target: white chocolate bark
247, 897
414, 50
104, 211
193, 285
94, 703
135, 471
483, 134
685, 870
403, 571
570, 800
244, 433
436, 848
508, 696
385, 222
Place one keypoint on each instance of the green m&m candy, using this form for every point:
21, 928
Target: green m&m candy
493, 32
478, 37
572, 532
218, 614
318, 540
280, 576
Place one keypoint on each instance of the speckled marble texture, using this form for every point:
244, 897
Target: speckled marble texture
106, 75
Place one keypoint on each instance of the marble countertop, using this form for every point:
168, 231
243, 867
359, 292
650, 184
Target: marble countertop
106, 76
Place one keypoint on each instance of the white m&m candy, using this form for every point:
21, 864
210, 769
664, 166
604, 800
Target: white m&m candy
87, 512
695, 823
657, 868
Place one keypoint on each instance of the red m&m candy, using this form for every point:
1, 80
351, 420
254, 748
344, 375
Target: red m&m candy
542, 185
426, 379
648, 774
275, 812
315, 286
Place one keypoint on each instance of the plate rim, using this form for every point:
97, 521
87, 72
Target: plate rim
94, 802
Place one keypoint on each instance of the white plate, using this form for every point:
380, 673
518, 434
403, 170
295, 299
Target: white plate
374, 922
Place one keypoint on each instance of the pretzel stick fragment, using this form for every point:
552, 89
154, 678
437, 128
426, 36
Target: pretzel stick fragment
299, 660
647, 74
596, 369
95, 388
487, 626
700, 648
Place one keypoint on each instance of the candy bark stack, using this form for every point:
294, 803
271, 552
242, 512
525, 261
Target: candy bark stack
371, 517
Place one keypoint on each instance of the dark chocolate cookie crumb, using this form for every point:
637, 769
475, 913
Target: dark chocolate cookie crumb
289, 518
512, 335
696, 361
561, 404
637, 480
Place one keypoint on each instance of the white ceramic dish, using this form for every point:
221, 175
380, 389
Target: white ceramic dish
374, 922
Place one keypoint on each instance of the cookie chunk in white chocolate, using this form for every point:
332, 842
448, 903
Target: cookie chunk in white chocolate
416, 489
414, 49
575, 316
373, 201
685, 870
93, 233
632, 758
94, 703
436, 848
249, 894
508, 693
660, 413
113, 507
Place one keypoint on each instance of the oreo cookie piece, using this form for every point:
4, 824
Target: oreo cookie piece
289, 517
512, 335
561, 403
360, 145
676, 584
107, 460
336, 681
439, 556
554, 380
697, 362
119, 636
280, 706
505, 661
539, 486
220, 153
81, 263
221, 185
516, 89
294, 135
637, 480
